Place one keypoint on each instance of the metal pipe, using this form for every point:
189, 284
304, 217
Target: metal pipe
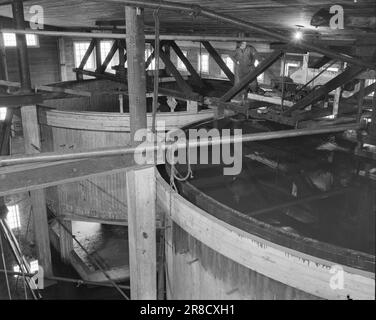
198, 10
111, 35
262, 136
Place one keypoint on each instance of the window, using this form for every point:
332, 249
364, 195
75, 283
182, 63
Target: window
80, 49
203, 62
260, 78
3, 113
13, 217
368, 83
229, 63
10, 40
148, 52
181, 65
34, 267
105, 49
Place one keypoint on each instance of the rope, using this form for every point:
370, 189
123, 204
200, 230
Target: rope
5, 267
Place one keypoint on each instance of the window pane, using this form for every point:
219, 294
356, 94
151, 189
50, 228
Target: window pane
229, 63
203, 62
31, 40
3, 113
80, 49
105, 49
181, 65
13, 217
10, 40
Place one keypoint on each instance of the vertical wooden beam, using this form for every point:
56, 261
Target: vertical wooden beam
32, 145
141, 202
98, 54
373, 117
62, 59
195, 77
3, 60
218, 59
337, 97
122, 58
361, 99
38, 201
23, 59
135, 39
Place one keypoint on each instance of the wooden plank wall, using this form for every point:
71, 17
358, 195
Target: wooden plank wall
102, 198
43, 60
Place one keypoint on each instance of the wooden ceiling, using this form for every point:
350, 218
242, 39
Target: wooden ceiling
274, 14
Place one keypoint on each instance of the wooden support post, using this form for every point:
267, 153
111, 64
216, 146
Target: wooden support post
62, 59
3, 60
183, 85
23, 59
360, 111
334, 83
98, 54
195, 77
337, 97
266, 63
122, 58
218, 59
38, 201
102, 68
373, 118
142, 233
305, 67
32, 145
135, 38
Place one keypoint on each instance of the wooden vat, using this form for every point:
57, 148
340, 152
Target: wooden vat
216, 254
101, 199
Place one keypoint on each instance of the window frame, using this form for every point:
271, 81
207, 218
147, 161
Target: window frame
14, 42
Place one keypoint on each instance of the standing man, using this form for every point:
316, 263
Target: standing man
245, 58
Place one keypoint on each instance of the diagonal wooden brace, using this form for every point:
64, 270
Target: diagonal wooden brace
317, 94
265, 64
218, 59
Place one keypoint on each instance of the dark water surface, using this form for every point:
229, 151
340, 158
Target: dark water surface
283, 170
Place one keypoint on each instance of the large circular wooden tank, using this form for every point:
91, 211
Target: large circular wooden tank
212, 250
72, 124
215, 254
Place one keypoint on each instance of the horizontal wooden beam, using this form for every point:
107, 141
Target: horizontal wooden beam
21, 99
26, 177
56, 89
